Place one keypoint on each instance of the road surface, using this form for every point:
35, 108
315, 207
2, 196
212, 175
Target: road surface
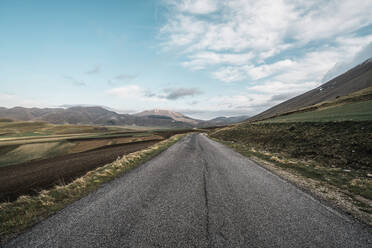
198, 193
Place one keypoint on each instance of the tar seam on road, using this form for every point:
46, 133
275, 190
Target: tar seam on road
205, 171
205, 174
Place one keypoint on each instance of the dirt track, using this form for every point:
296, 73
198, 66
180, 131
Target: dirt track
30, 177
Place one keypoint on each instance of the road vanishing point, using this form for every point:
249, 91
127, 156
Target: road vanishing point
198, 193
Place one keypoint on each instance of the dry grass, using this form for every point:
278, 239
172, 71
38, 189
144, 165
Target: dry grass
349, 190
355, 205
332, 155
27, 210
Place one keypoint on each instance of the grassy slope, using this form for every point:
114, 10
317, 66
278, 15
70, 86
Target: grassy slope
27, 210
358, 111
356, 106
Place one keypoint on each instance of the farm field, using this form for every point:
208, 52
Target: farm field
33, 176
12, 129
25, 141
34, 156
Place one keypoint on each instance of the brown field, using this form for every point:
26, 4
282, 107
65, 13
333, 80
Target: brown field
32, 176
16, 153
37, 155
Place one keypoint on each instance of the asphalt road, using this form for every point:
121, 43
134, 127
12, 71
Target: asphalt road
198, 193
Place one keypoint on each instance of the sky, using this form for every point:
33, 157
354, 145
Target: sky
203, 58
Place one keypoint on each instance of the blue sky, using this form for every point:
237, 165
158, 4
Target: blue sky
204, 58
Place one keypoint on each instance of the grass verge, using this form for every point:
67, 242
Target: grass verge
346, 190
336, 156
27, 210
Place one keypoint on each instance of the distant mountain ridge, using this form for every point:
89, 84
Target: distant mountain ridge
355, 79
101, 116
222, 121
170, 114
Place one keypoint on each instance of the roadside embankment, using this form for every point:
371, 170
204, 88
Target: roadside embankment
332, 159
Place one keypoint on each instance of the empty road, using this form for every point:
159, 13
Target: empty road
198, 193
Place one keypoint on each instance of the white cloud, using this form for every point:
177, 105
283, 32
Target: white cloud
12, 100
339, 68
182, 30
229, 74
197, 6
240, 36
263, 71
277, 87
325, 19
203, 59
279, 48
310, 67
259, 25
135, 93
127, 91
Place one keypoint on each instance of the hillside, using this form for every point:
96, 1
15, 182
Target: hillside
222, 121
357, 78
87, 115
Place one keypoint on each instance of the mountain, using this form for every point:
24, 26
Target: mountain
86, 115
160, 113
102, 116
222, 121
355, 79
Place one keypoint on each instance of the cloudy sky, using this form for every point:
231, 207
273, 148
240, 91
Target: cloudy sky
204, 58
